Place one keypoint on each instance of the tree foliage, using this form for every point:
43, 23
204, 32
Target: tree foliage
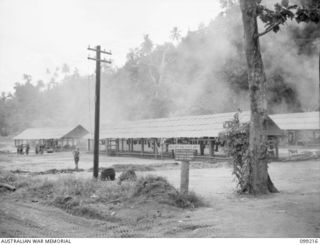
284, 11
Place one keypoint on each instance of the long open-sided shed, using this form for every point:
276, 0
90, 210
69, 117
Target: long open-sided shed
300, 128
51, 137
154, 136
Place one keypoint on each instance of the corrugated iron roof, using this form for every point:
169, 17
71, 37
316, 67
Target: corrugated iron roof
297, 121
49, 133
175, 127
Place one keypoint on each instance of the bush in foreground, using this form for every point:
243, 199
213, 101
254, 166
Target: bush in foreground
93, 198
157, 188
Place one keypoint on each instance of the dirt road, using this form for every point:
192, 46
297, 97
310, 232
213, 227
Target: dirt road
63, 160
33, 220
294, 212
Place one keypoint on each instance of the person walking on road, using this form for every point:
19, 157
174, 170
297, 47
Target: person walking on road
76, 157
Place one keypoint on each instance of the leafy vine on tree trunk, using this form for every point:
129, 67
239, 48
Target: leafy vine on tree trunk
236, 138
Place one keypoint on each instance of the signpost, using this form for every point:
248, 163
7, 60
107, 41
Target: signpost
184, 153
184, 146
184, 177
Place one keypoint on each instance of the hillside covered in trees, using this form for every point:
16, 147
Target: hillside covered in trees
201, 72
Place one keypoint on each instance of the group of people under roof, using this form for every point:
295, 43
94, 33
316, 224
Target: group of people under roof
25, 149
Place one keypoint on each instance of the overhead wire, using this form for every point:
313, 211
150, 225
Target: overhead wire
89, 80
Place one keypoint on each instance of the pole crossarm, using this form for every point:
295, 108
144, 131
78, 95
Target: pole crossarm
101, 51
103, 60
106, 52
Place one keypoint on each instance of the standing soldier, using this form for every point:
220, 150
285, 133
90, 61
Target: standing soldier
76, 157
27, 149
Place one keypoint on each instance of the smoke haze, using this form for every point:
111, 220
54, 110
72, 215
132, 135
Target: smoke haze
202, 72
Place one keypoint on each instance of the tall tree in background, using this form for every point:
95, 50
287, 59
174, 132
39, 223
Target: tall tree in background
259, 180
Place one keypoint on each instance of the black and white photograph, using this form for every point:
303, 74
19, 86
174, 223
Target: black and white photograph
159, 119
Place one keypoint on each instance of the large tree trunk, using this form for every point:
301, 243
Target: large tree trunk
259, 180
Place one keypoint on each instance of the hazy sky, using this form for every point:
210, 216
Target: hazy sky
40, 34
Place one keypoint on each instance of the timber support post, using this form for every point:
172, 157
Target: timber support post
277, 147
211, 148
154, 148
117, 146
142, 147
131, 145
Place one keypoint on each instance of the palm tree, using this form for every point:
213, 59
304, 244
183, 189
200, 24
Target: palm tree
175, 34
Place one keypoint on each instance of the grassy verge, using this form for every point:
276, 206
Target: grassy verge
157, 188
97, 199
135, 167
124, 167
50, 171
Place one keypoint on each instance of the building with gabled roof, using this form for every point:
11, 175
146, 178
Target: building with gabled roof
178, 127
300, 128
152, 136
52, 137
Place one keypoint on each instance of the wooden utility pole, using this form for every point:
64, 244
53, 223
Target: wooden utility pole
97, 106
